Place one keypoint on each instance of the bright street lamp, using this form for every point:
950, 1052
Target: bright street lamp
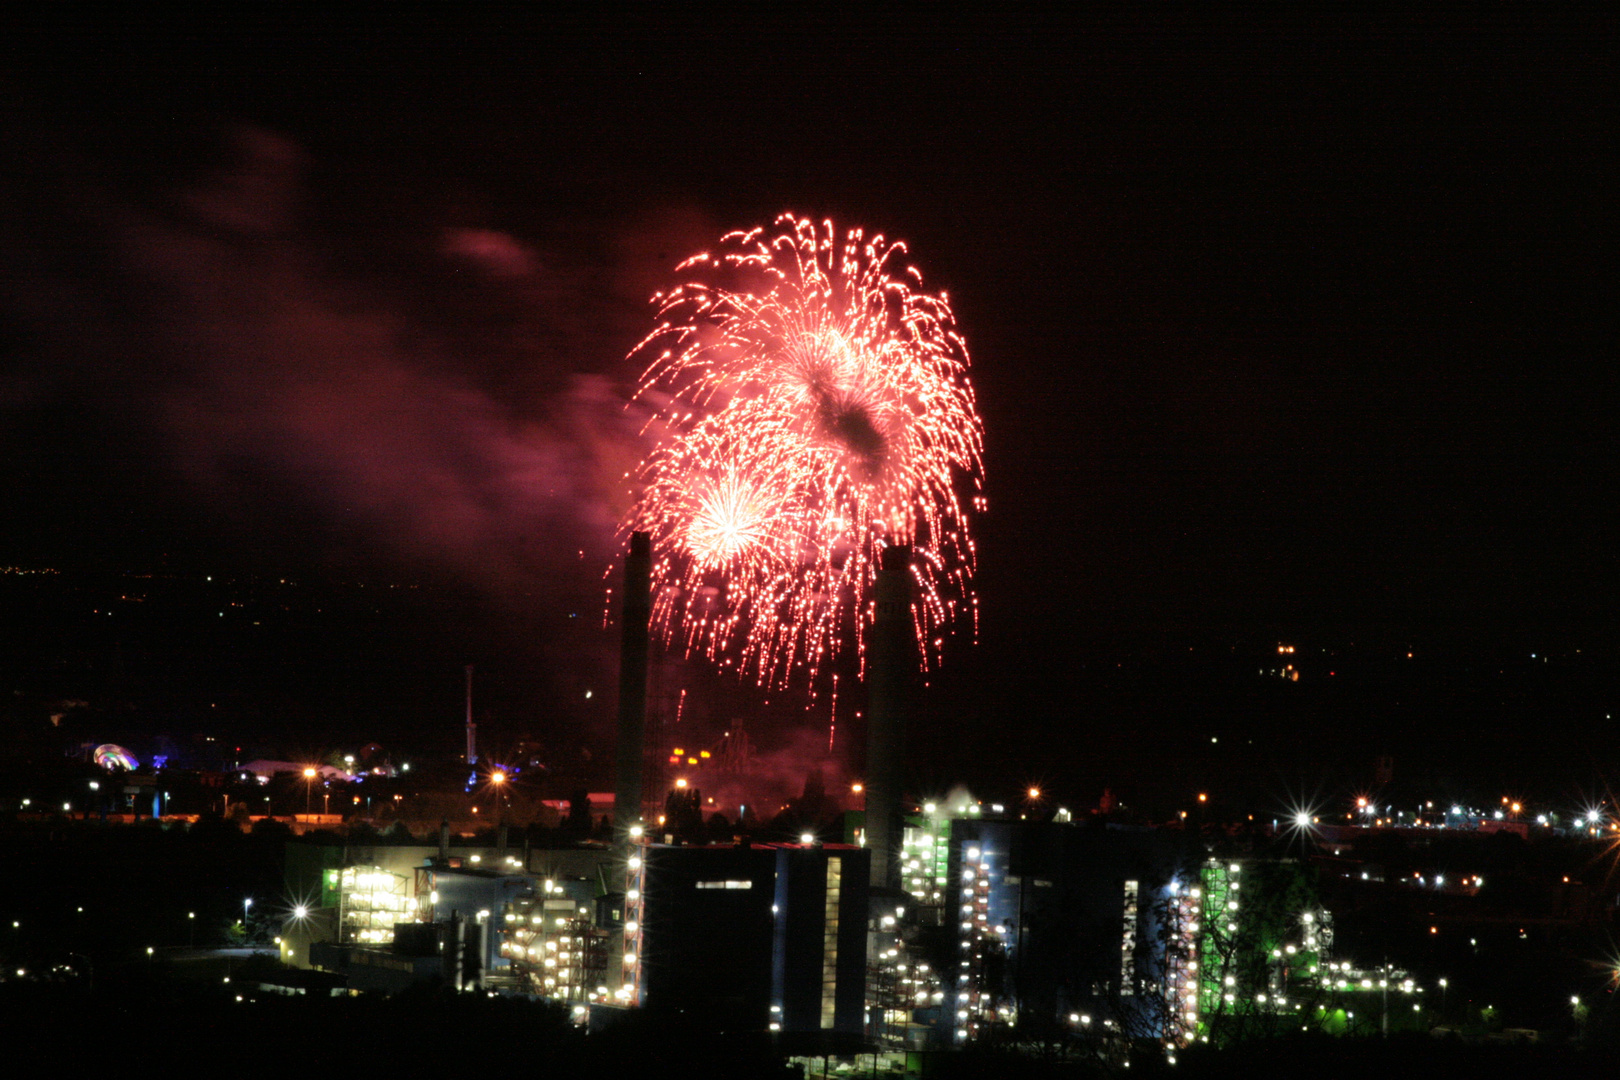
498, 778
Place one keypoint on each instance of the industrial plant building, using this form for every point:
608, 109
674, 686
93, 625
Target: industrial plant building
756, 936
1112, 931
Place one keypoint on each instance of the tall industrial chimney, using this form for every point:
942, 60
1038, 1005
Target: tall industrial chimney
891, 670
635, 613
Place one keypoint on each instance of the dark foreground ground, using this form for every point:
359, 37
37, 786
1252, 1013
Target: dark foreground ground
141, 1017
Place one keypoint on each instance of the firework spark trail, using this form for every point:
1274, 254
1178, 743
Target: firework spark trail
813, 407
832, 715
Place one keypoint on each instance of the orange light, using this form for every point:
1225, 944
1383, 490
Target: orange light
681, 783
677, 751
1203, 797
309, 774
703, 753
857, 787
1434, 929
1362, 802
1034, 792
691, 761
497, 777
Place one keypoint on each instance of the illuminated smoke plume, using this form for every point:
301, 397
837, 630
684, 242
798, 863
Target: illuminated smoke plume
776, 778
812, 406
371, 388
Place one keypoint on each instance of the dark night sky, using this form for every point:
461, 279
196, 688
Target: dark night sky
1277, 329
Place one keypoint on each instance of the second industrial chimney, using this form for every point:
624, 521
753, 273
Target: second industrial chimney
635, 612
891, 666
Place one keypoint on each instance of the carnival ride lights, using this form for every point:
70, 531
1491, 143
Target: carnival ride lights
112, 756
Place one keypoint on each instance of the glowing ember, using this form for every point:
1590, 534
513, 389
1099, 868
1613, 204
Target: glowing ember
812, 407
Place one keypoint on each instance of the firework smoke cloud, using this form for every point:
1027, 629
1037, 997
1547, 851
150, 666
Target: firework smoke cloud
353, 388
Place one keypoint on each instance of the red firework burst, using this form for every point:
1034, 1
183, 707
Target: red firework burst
812, 406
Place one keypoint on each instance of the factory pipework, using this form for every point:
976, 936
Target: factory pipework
890, 672
635, 612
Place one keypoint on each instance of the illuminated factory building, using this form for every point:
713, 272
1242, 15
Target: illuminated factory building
483, 918
477, 900
1050, 919
557, 940
1118, 932
755, 937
